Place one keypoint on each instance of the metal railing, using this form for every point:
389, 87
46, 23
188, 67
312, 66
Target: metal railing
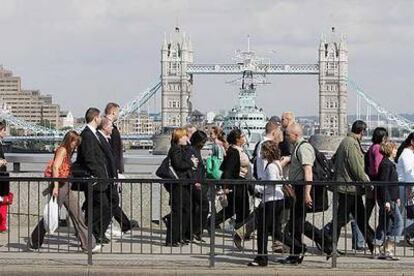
178, 217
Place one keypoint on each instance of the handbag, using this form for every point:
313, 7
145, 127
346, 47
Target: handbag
165, 170
213, 164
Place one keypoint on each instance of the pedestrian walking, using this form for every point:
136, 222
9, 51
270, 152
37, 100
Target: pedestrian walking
60, 167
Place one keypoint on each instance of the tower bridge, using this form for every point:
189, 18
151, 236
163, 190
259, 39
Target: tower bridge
175, 86
177, 70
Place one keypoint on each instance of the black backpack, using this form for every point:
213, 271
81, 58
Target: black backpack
322, 170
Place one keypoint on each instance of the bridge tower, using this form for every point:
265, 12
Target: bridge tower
333, 77
176, 84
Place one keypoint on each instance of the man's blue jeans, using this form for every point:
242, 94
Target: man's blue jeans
357, 237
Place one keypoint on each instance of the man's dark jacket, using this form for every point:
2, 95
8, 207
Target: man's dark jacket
116, 144
110, 160
92, 159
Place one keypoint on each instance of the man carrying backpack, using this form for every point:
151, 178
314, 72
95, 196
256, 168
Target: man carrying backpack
302, 169
349, 167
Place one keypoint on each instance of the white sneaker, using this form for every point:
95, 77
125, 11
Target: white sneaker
113, 233
96, 249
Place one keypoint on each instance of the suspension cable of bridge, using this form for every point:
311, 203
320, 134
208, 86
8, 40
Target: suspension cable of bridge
390, 116
136, 104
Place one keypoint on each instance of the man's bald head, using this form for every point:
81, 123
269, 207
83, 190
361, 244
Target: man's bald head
288, 118
294, 132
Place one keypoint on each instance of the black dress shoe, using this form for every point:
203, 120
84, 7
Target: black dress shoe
172, 244
258, 261
340, 252
371, 247
103, 240
134, 224
327, 248
198, 238
185, 242
409, 240
292, 260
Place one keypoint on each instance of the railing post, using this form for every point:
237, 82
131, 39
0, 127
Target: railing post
212, 226
90, 198
334, 224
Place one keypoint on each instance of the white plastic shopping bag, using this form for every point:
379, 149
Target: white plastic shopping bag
51, 215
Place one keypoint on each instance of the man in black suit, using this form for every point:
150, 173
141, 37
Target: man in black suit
112, 114
104, 134
91, 158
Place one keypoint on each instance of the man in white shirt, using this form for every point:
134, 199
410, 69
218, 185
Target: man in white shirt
274, 133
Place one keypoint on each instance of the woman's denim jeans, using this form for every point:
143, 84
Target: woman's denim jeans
391, 226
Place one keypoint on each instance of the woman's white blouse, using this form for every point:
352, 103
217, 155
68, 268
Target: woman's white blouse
273, 172
405, 170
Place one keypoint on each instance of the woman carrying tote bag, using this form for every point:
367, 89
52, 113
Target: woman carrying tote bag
60, 167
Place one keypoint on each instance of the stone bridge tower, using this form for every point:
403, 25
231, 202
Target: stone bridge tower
333, 76
176, 84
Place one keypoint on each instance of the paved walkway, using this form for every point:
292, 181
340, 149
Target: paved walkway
117, 264
142, 253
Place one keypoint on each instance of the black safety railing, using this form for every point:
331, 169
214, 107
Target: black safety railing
265, 220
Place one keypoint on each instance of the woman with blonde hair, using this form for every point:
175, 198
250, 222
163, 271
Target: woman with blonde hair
60, 167
391, 222
184, 163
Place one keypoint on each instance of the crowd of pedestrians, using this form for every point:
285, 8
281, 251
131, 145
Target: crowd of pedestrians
276, 209
280, 210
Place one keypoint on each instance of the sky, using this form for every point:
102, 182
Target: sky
86, 53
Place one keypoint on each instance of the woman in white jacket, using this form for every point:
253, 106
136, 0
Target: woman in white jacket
270, 210
405, 170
